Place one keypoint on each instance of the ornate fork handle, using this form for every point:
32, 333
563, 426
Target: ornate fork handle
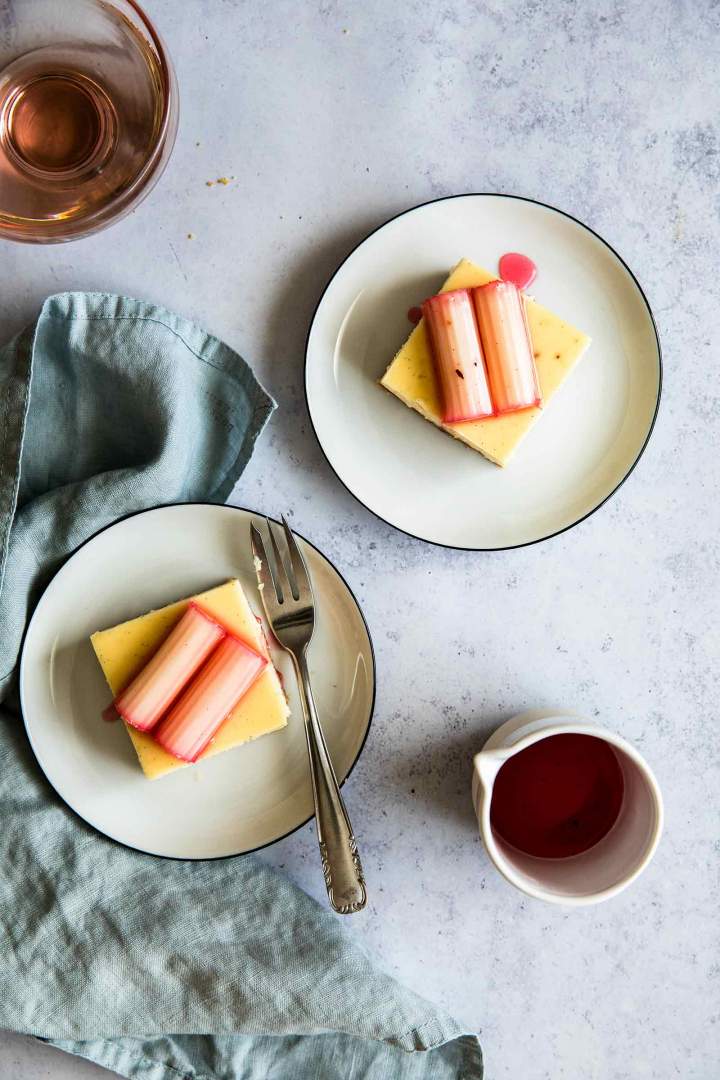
338, 849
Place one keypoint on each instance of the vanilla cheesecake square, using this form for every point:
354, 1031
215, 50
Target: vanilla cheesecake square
557, 347
124, 649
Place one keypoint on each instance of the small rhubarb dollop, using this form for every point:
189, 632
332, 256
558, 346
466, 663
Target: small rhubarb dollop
195, 718
505, 335
458, 356
153, 690
517, 268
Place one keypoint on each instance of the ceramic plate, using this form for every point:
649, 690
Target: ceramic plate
227, 805
416, 477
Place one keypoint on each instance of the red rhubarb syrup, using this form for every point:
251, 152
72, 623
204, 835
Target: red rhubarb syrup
558, 797
518, 269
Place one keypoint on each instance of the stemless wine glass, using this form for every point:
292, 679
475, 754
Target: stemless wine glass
88, 115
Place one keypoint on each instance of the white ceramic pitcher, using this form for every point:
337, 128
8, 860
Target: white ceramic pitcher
604, 869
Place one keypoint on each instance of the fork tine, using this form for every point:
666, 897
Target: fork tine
280, 576
289, 562
300, 570
262, 566
285, 560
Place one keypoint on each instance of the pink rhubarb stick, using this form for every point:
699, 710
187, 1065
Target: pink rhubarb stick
505, 335
214, 692
153, 690
458, 356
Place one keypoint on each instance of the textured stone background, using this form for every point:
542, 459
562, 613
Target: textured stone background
333, 117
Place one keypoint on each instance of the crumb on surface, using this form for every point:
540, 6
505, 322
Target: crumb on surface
191, 236
224, 180
209, 183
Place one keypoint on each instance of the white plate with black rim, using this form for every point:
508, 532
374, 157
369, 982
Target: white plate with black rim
226, 805
416, 477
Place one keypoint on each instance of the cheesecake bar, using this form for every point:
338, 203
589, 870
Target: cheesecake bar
124, 650
557, 347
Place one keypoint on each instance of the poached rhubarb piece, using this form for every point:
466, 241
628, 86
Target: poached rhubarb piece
457, 356
214, 692
505, 336
183, 651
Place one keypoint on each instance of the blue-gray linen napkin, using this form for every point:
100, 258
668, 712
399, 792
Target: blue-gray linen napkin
162, 970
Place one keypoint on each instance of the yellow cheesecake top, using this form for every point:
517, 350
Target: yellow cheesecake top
124, 649
557, 347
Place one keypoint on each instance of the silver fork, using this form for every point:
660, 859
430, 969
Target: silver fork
287, 598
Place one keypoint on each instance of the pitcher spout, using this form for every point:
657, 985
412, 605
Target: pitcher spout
487, 766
